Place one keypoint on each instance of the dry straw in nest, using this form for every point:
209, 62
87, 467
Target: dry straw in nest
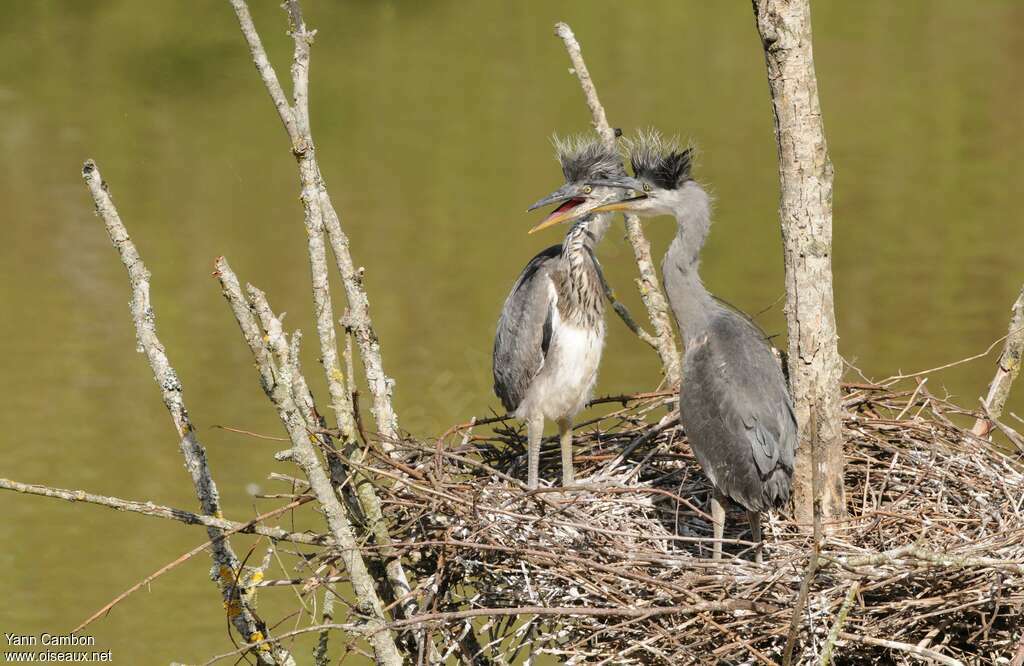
929, 565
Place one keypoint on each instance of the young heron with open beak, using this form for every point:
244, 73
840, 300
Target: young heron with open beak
550, 335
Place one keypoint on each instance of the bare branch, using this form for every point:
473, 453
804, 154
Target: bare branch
597, 113
369, 503
169, 513
265, 69
1007, 368
545, 611
833, 634
650, 286
359, 323
281, 392
320, 216
239, 611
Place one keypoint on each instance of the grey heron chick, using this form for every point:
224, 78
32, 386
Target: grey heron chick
551, 331
734, 402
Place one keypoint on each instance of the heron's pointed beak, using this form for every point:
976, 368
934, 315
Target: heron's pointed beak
567, 210
570, 210
563, 193
623, 205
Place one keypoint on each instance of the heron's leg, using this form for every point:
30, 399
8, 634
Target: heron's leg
565, 436
755, 534
534, 433
718, 520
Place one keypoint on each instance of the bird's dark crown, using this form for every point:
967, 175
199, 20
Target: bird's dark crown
660, 161
585, 157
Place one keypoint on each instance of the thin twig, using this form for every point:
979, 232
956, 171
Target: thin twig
889, 381
170, 513
242, 527
833, 634
650, 286
1007, 368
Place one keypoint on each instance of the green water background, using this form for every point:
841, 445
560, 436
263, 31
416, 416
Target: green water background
432, 121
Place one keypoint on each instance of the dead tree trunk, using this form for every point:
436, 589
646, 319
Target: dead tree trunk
805, 209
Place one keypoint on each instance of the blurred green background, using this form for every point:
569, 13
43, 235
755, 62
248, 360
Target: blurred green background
433, 122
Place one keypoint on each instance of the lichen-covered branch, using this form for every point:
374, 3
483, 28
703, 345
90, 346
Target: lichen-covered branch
275, 376
296, 123
805, 211
833, 633
226, 563
321, 216
1007, 368
167, 512
369, 504
663, 339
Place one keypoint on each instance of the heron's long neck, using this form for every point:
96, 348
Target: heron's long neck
581, 290
580, 241
691, 302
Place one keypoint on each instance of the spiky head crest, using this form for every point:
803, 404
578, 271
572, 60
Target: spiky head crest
585, 157
659, 160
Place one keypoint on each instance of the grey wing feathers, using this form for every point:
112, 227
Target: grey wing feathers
524, 330
738, 413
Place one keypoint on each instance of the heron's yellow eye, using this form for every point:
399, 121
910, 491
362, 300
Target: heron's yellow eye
647, 188
588, 189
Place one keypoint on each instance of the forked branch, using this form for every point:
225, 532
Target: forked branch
276, 368
320, 216
321, 219
226, 562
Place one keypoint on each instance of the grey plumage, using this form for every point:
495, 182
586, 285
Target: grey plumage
740, 425
734, 403
548, 341
524, 329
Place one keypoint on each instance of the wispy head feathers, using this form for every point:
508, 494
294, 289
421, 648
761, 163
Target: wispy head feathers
584, 157
659, 160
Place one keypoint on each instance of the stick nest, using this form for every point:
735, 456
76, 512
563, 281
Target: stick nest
617, 569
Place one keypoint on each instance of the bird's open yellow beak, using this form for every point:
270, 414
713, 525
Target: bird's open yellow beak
558, 217
574, 202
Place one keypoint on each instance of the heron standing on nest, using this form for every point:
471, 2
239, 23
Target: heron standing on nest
550, 335
734, 403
